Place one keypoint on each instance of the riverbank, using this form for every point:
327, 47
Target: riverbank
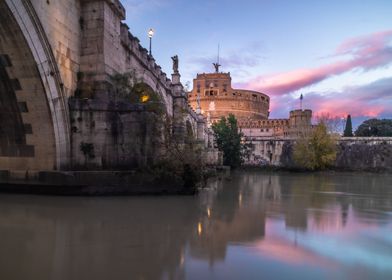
275, 168
105, 183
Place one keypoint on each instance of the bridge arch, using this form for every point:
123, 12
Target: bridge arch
146, 77
146, 94
32, 97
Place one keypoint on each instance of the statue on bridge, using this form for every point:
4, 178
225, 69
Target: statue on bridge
175, 64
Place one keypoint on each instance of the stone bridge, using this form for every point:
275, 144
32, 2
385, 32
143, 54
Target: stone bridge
55, 56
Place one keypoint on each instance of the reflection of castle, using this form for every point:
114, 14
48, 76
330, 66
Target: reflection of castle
213, 95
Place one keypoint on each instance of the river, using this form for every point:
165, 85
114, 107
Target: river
256, 225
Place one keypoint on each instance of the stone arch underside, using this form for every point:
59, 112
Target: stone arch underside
189, 129
33, 119
165, 97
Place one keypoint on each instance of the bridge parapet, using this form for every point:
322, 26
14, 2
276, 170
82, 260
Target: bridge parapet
132, 47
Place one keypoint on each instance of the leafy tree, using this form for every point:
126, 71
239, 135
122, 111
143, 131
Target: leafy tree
348, 130
375, 127
316, 150
228, 139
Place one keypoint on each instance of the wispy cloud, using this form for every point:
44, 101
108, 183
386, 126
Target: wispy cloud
239, 61
365, 53
371, 100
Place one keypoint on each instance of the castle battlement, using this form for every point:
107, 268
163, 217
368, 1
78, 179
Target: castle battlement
263, 123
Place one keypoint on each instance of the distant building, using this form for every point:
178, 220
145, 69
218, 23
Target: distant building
214, 97
218, 98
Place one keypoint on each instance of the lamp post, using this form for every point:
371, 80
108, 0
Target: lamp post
150, 34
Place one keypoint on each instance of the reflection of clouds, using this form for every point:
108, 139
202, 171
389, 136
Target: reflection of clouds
286, 251
366, 246
358, 249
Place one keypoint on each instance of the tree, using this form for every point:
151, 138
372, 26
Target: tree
315, 151
228, 139
375, 127
332, 123
348, 130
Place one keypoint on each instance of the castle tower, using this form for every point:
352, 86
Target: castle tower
300, 118
216, 97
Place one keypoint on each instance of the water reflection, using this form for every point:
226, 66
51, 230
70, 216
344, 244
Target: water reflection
277, 225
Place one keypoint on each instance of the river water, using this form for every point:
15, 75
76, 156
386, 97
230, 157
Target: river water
254, 226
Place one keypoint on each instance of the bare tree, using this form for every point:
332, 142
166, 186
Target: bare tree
332, 123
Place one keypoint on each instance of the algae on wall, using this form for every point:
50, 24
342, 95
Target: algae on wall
123, 135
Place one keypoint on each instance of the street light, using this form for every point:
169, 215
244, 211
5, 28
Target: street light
150, 34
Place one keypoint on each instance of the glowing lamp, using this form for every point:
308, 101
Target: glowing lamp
145, 98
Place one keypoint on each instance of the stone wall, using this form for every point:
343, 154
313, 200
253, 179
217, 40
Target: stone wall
365, 153
27, 140
265, 151
108, 47
61, 22
354, 153
108, 135
119, 135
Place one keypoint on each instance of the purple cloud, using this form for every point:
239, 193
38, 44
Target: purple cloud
367, 52
371, 100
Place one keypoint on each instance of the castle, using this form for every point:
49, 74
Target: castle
214, 97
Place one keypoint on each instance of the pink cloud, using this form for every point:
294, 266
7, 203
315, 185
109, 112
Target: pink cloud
371, 100
365, 44
367, 52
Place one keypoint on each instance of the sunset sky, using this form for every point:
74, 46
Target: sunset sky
338, 54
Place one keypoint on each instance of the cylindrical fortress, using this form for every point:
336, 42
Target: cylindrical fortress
218, 98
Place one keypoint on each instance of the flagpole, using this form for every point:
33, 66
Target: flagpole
301, 98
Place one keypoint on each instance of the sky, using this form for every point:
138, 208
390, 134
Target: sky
338, 54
